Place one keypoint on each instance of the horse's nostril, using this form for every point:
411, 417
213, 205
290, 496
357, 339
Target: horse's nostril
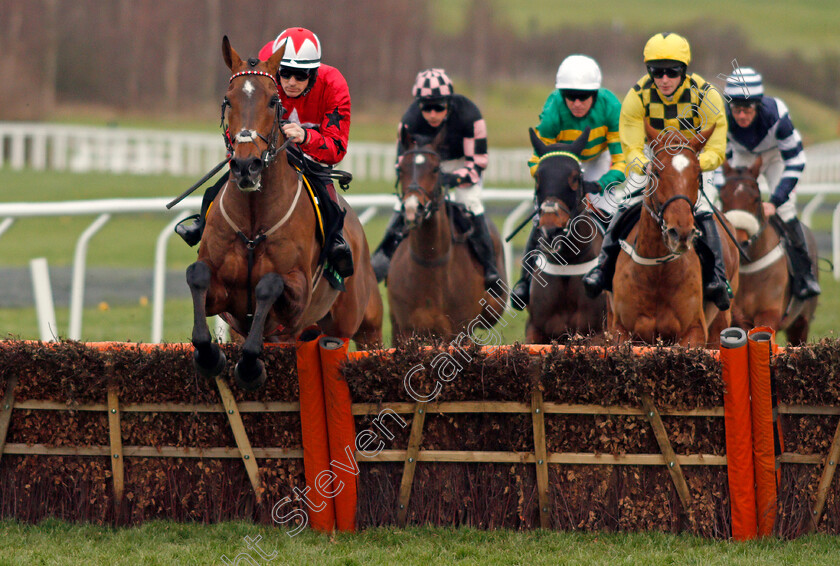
256, 165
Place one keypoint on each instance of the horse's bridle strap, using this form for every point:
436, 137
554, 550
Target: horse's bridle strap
559, 154
259, 73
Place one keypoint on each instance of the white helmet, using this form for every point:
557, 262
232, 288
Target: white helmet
303, 49
578, 72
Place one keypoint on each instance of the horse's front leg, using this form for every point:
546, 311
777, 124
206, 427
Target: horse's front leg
250, 370
208, 358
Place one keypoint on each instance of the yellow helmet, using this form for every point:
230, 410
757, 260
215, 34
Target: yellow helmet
668, 46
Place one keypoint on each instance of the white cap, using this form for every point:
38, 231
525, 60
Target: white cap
578, 72
744, 83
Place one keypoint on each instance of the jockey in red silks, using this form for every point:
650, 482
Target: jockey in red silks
316, 112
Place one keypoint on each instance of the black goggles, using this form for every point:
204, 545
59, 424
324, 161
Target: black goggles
578, 94
298, 74
432, 107
670, 72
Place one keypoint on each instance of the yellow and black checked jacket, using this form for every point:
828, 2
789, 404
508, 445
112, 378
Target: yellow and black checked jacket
694, 107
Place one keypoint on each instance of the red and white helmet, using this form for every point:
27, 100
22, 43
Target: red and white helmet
432, 83
303, 49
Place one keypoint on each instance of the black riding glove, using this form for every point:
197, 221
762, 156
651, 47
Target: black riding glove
592, 187
451, 180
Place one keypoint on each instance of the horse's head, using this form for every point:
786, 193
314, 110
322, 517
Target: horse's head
251, 109
558, 185
741, 200
673, 190
419, 177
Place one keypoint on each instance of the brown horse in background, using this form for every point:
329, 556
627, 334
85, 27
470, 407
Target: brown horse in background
658, 292
571, 237
764, 297
258, 259
435, 284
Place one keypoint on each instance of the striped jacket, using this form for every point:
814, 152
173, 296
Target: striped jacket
771, 128
557, 124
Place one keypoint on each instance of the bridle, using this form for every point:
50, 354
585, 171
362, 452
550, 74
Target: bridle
432, 199
250, 136
659, 215
552, 204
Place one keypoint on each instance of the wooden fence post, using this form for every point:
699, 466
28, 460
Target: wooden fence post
671, 462
239, 434
6, 406
831, 461
414, 440
115, 434
541, 456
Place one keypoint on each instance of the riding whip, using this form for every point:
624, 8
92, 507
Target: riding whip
720, 217
521, 226
200, 182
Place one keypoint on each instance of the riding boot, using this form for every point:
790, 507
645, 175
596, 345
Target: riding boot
521, 292
716, 288
191, 233
339, 254
482, 245
600, 277
805, 284
381, 258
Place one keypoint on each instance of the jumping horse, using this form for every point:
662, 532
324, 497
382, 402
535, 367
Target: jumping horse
435, 284
571, 237
764, 297
658, 287
258, 259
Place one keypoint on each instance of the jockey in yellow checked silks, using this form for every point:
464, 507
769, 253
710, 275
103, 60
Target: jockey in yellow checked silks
683, 105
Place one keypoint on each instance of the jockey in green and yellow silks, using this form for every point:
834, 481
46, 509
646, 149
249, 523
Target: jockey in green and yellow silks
578, 103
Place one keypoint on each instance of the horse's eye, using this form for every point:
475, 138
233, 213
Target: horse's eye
226, 102
275, 100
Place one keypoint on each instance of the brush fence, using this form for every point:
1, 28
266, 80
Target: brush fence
517, 437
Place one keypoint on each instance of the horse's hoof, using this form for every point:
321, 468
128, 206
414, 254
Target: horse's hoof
213, 368
250, 377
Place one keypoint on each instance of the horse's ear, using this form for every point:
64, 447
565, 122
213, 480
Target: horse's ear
652, 135
405, 136
539, 146
756, 167
580, 143
698, 142
273, 62
232, 58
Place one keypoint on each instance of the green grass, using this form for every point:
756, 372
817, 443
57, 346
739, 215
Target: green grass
158, 543
807, 26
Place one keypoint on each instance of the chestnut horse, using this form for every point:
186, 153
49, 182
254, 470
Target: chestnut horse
435, 284
764, 297
571, 237
258, 259
658, 291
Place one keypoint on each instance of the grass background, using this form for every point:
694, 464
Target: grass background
163, 543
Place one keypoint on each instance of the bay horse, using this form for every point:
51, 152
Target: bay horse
658, 287
764, 297
571, 237
435, 284
258, 258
